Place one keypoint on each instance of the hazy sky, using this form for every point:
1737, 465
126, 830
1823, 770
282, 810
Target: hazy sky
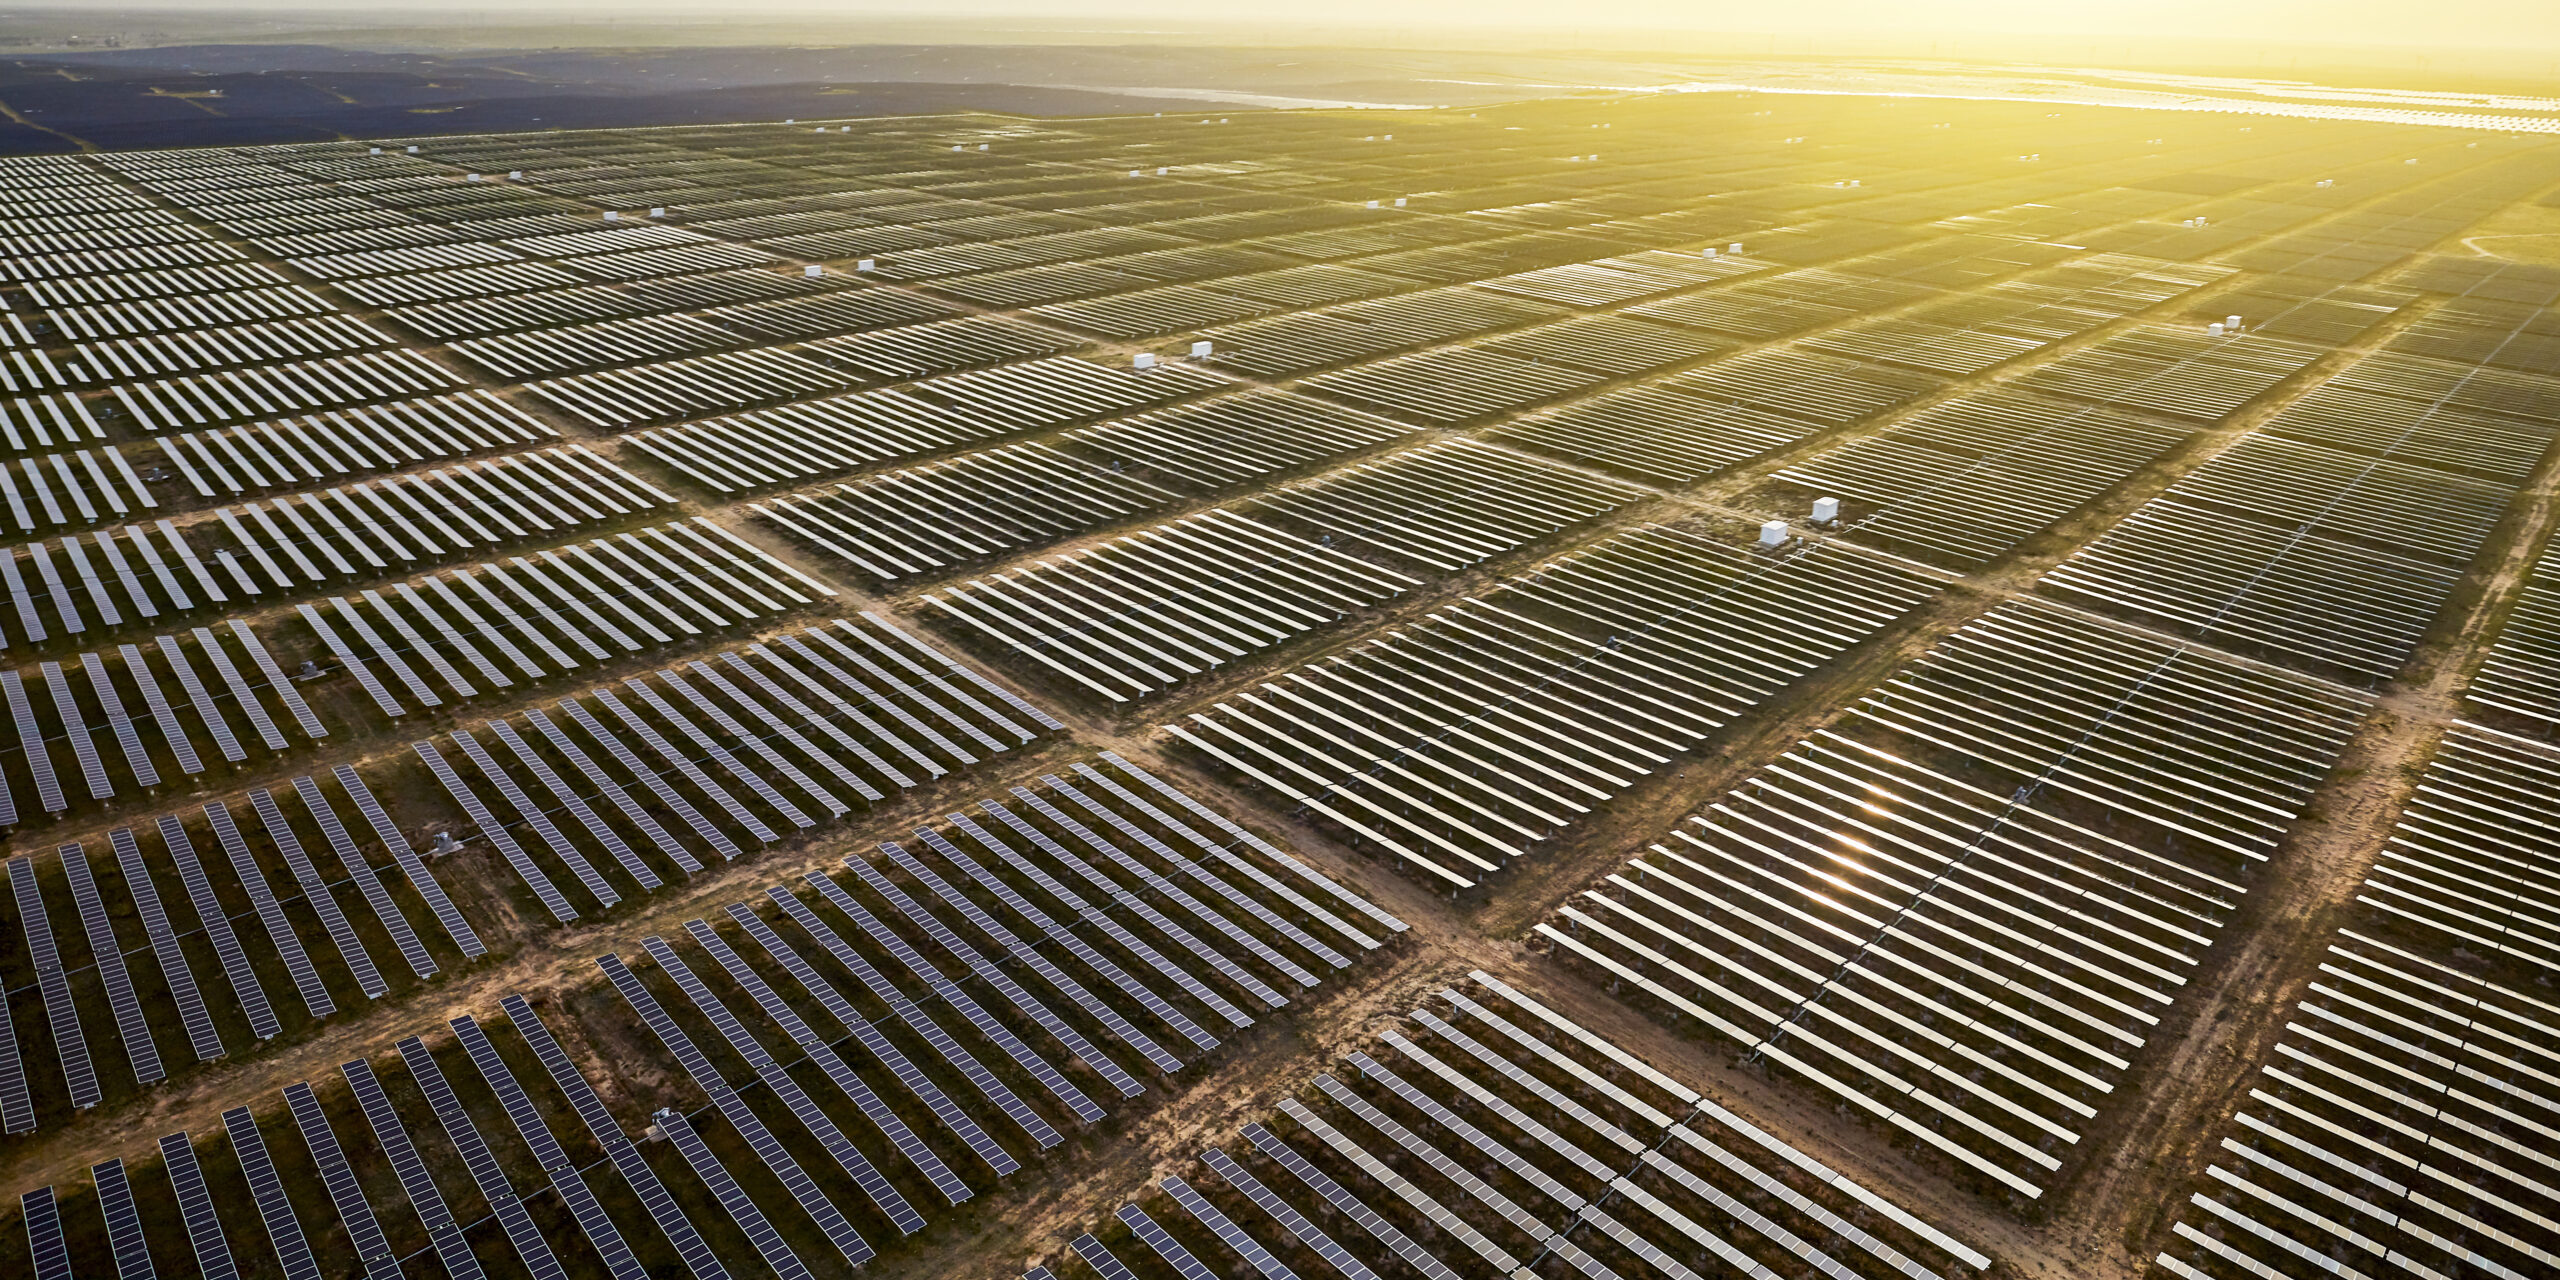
2513, 25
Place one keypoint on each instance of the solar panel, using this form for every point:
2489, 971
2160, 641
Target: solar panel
316, 892
571, 801
354, 663
1076, 992
202, 699
819, 1051
1500, 1152
1544, 1092
31, 743
1175, 1254
564, 1073
1271, 919
285, 692
1074, 1041
195, 1208
535, 818
45, 1247
17, 1107
423, 880
1234, 832
128, 741
565, 1179
366, 880
953, 1051
501, 1080
1540, 1047
1347, 1204
682, 764
284, 1230
786, 1170
1101, 1259
848, 710
1059, 935
1484, 1192
156, 703
216, 923
61, 1014
132, 1028
604, 785
489, 826
531, 1249
810, 716
635, 1170
1032, 713
243, 694
879, 1045
424, 1197
417, 644
125, 1241
355, 1214
750, 1219
1287, 1216
798, 646
1450, 1223
55, 591
767, 1069
75, 729
306, 978
711, 748
1233, 1236
667, 795
28, 618
174, 970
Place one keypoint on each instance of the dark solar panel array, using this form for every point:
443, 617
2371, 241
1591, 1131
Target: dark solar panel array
532, 1251
216, 923
346, 1195
266, 1190
838, 1073
769, 1244
317, 894
262, 898
1578, 312
953, 1052
62, 1016
196, 1210
627, 1160
362, 874
45, 1247
420, 877
425, 1198
777, 1160
165, 949
108, 955
566, 1179
770, 1071
127, 1243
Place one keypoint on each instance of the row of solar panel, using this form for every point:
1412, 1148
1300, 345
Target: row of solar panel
1501, 1136
1277, 896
